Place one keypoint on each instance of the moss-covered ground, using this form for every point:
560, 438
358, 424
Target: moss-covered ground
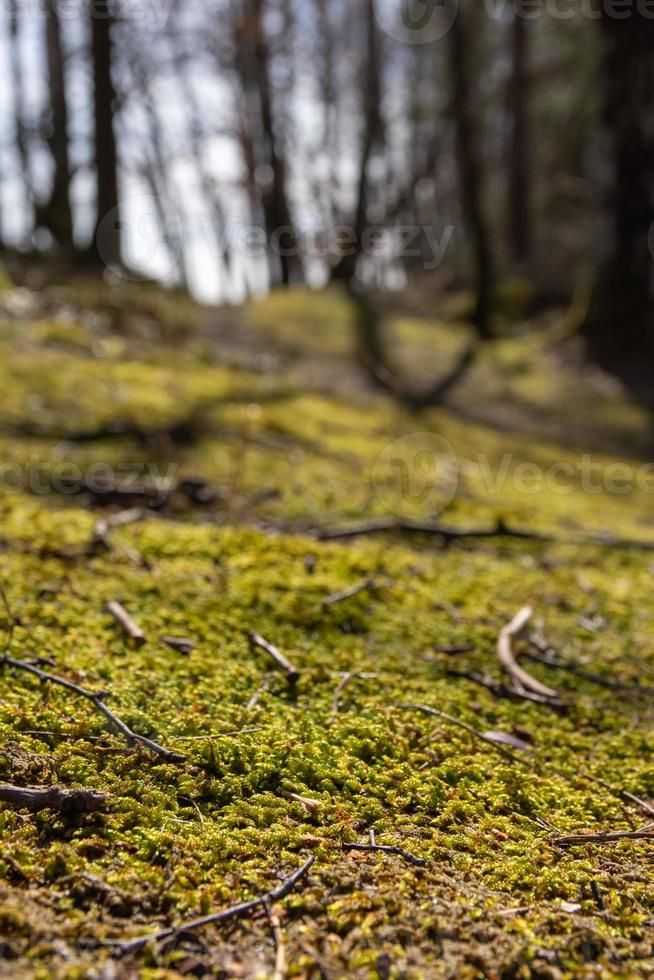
148, 385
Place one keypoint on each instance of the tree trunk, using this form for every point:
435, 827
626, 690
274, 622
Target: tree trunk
105, 247
470, 175
269, 174
518, 168
620, 324
373, 134
56, 215
20, 128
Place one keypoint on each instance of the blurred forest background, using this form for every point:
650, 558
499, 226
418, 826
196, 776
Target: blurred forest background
241, 146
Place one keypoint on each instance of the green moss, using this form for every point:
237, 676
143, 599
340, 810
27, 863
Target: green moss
181, 840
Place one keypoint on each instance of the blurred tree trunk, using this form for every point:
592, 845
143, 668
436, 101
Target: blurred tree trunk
20, 128
372, 141
470, 173
267, 169
56, 215
620, 324
518, 169
106, 154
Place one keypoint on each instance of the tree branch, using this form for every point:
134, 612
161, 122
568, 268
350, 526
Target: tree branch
68, 801
97, 699
236, 911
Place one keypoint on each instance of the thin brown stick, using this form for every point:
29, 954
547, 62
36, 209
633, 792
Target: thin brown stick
448, 534
263, 687
544, 653
331, 600
236, 911
126, 623
455, 649
506, 657
279, 972
647, 833
179, 643
451, 534
342, 684
465, 726
97, 699
67, 801
388, 849
292, 673
501, 690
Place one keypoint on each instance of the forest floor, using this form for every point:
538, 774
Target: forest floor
196, 467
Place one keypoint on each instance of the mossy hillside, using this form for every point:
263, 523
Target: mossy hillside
276, 453
182, 840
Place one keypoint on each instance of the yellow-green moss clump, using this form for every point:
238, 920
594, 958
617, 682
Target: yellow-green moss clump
497, 897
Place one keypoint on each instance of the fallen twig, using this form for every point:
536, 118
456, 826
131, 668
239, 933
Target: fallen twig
342, 684
465, 726
544, 653
310, 805
506, 657
366, 586
263, 687
97, 699
453, 650
501, 690
126, 623
179, 644
450, 534
66, 801
244, 908
292, 673
647, 833
279, 972
388, 849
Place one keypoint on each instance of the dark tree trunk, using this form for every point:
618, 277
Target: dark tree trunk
518, 168
105, 247
373, 135
57, 215
268, 158
20, 128
470, 175
620, 325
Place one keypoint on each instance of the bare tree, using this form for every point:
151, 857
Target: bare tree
56, 214
21, 130
620, 324
265, 160
105, 149
470, 173
518, 150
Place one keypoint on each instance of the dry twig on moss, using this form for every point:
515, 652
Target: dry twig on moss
544, 653
67, 801
465, 726
126, 623
388, 849
343, 683
507, 658
236, 911
292, 673
366, 586
610, 837
97, 699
